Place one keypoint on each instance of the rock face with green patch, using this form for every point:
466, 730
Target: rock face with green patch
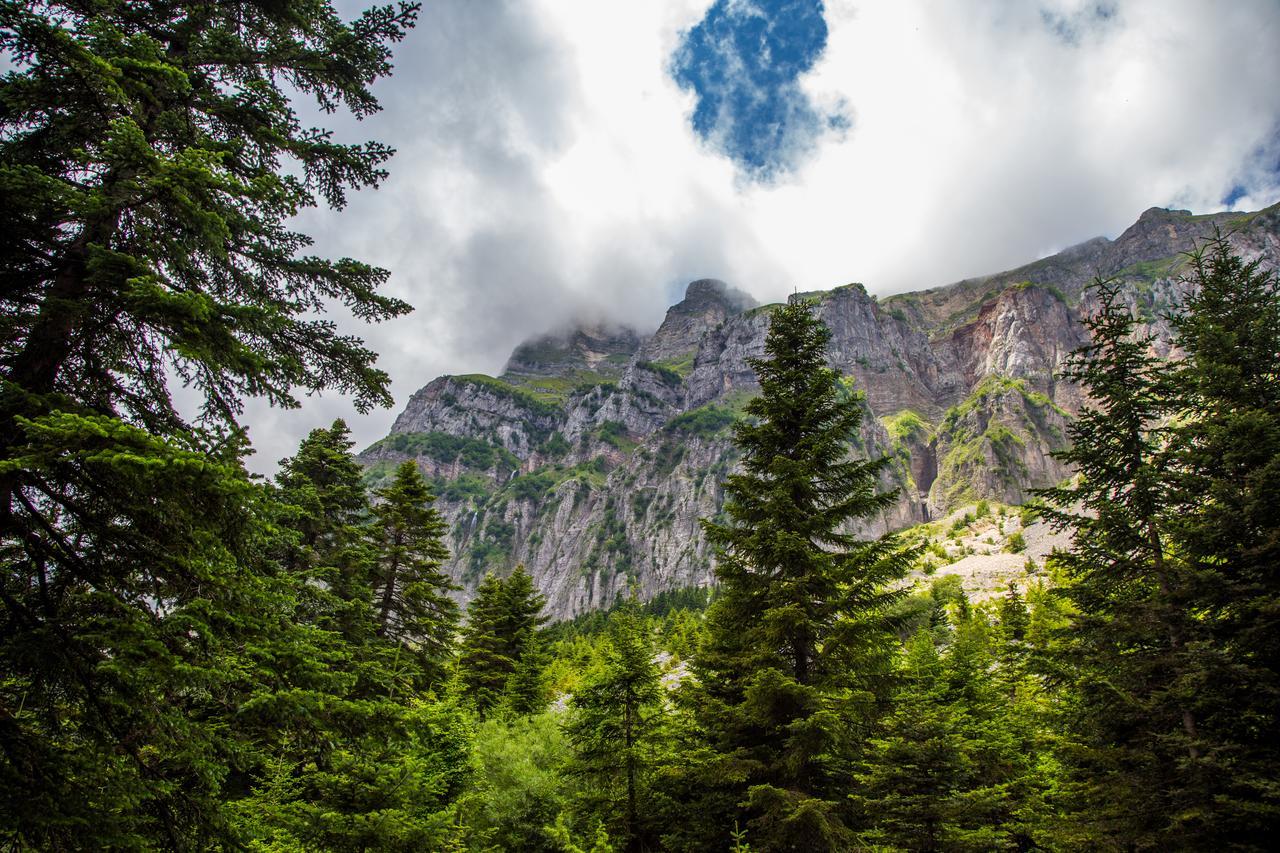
706, 304
594, 348
592, 457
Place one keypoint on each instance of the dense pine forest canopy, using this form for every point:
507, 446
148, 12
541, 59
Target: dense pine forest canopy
194, 658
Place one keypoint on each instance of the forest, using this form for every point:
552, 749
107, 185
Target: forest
197, 658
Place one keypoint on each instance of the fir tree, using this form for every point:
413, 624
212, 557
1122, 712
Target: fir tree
798, 655
411, 598
952, 766
144, 235
615, 730
1127, 651
351, 757
1172, 652
484, 660
503, 623
328, 513
1224, 481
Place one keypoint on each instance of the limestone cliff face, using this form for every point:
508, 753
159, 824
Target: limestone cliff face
707, 303
593, 457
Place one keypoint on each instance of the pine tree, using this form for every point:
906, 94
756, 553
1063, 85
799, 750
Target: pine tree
503, 622
1127, 649
798, 657
329, 515
411, 598
1225, 478
144, 235
615, 730
1172, 651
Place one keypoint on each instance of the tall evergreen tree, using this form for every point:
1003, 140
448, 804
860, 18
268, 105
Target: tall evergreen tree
798, 657
1135, 722
411, 594
329, 515
1225, 465
350, 758
615, 731
500, 644
1172, 653
144, 235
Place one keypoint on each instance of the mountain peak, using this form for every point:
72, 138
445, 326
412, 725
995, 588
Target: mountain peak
1161, 213
699, 294
585, 347
707, 303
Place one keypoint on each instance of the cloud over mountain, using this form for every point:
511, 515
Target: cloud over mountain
551, 167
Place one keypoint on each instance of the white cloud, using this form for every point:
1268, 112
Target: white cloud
546, 168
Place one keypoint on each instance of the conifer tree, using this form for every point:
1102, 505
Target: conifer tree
503, 622
411, 601
484, 661
952, 766
351, 757
615, 730
1172, 651
327, 510
144, 235
1225, 478
798, 656
1127, 650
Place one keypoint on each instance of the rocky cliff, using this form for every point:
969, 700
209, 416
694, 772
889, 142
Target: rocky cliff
593, 456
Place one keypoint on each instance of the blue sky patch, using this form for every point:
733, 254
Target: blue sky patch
743, 61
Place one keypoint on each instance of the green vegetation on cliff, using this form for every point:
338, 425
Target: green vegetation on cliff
443, 447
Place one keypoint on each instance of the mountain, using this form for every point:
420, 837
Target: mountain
595, 453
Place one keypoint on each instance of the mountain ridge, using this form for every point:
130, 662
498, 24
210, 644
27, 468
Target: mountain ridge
592, 456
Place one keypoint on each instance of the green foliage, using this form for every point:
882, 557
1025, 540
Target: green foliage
410, 593
1173, 615
671, 375
703, 421
615, 728
145, 235
538, 405
953, 767
681, 365
1015, 543
390, 788
797, 650
443, 447
520, 790
906, 426
927, 609
464, 487
973, 433
1053, 291
615, 433
555, 446
1154, 270
503, 626
327, 510
533, 486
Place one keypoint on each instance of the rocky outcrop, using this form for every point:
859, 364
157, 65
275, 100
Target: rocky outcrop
590, 348
707, 303
593, 457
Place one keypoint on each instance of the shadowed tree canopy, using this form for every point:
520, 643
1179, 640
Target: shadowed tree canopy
411, 594
1173, 653
151, 161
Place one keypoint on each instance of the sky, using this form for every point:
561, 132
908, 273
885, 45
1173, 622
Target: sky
563, 161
